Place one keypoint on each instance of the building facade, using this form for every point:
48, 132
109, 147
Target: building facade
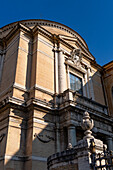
48, 78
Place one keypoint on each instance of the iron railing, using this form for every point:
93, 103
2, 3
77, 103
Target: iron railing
101, 161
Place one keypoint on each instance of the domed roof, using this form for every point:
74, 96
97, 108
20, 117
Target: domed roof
51, 26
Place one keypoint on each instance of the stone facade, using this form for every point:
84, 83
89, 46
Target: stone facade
48, 78
77, 158
83, 155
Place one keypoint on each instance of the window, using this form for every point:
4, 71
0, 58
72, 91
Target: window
76, 83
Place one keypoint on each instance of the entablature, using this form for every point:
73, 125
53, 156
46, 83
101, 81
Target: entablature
70, 97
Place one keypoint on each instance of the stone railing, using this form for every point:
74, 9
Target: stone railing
78, 157
55, 160
80, 101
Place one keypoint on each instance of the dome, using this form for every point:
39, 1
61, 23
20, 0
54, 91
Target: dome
51, 26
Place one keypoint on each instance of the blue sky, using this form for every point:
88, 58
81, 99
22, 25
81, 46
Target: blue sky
92, 19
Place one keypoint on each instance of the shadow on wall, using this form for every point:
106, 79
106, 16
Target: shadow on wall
32, 134
29, 149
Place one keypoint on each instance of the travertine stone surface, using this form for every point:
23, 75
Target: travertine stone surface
37, 104
77, 158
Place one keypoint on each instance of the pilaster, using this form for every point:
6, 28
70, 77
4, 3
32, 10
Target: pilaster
90, 84
62, 72
56, 69
57, 138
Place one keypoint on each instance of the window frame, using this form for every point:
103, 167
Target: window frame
79, 77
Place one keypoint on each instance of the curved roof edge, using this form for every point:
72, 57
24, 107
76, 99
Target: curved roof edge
46, 23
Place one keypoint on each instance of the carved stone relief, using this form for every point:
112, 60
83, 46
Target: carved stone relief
41, 138
76, 56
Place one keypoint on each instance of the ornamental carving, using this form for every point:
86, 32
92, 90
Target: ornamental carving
40, 138
87, 124
76, 56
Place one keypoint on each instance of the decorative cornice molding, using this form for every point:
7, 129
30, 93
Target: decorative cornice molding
23, 158
80, 68
14, 30
48, 23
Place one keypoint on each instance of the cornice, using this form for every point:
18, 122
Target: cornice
56, 39
97, 66
38, 28
17, 28
108, 66
78, 43
45, 23
79, 68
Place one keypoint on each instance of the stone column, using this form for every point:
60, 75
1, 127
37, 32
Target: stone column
62, 144
57, 138
72, 135
61, 72
56, 69
87, 87
68, 78
90, 84
84, 87
109, 143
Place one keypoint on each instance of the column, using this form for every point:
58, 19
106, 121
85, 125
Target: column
72, 135
61, 72
57, 138
84, 87
109, 143
56, 69
67, 77
87, 87
63, 144
90, 84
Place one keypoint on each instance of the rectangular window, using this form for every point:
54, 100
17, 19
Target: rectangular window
76, 83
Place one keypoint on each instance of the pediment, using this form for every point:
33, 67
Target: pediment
76, 43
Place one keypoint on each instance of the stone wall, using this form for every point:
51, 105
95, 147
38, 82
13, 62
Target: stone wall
37, 107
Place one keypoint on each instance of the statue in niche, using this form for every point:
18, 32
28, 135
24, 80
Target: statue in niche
76, 56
